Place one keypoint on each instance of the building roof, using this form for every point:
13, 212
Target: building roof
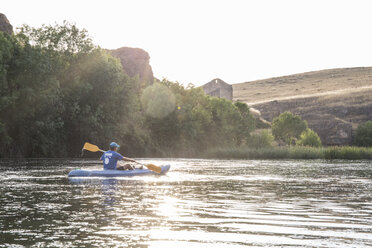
216, 81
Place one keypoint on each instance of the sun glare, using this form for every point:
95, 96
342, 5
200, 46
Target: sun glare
168, 207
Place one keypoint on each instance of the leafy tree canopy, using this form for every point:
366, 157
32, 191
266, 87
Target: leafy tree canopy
58, 90
287, 127
309, 138
66, 38
363, 135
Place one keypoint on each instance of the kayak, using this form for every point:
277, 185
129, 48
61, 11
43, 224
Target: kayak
117, 173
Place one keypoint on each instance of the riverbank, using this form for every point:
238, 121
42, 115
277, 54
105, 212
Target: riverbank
345, 152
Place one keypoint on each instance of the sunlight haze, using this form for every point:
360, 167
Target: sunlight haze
237, 41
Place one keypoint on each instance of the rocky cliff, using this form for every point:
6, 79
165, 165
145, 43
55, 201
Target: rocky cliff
135, 62
333, 102
5, 26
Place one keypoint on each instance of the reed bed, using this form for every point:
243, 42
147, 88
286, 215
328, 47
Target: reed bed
292, 152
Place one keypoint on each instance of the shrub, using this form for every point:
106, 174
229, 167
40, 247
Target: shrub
363, 135
287, 127
261, 140
309, 138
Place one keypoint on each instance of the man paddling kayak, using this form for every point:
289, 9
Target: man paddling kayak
111, 157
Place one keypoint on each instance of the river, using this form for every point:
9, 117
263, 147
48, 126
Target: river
199, 203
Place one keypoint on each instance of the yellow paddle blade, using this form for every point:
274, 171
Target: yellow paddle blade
153, 168
91, 147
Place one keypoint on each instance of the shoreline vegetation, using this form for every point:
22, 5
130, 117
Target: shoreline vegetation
269, 153
292, 152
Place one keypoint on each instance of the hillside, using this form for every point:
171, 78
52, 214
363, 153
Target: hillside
333, 101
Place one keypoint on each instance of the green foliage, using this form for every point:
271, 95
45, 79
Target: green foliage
263, 139
198, 122
99, 101
348, 152
246, 123
31, 107
66, 38
309, 138
7, 48
58, 90
291, 152
363, 135
288, 127
266, 153
6, 54
260, 124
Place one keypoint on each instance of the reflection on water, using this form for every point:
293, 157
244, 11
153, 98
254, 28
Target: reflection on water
199, 203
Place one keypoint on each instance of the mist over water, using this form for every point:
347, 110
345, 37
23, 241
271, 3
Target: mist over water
199, 203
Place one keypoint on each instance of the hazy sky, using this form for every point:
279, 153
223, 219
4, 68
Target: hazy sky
235, 40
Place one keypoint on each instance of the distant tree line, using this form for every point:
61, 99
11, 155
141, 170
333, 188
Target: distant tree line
58, 90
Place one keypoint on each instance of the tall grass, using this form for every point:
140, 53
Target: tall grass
348, 152
298, 152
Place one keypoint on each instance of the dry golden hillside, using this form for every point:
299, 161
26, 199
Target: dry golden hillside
304, 85
333, 101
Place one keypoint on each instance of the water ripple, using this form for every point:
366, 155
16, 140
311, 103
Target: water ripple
199, 203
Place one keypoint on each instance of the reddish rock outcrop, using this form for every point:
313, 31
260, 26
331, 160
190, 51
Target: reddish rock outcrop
135, 62
5, 25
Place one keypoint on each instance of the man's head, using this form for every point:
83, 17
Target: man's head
114, 146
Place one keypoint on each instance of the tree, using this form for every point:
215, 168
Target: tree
287, 127
58, 90
309, 138
363, 135
32, 101
99, 99
246, 123
7, 51
66, 39
195, 123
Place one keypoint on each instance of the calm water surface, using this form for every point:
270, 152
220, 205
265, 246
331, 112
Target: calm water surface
199, 203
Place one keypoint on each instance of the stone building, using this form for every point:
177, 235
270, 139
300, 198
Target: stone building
219, 88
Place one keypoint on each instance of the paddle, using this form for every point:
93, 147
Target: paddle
151, 167
93, 148
90, 147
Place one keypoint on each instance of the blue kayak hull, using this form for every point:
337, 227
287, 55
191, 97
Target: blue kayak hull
117, 173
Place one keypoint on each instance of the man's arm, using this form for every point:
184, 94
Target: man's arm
129, 160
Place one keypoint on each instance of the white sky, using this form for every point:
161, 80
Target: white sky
195, 41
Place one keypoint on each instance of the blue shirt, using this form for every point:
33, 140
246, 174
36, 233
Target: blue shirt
110, 158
